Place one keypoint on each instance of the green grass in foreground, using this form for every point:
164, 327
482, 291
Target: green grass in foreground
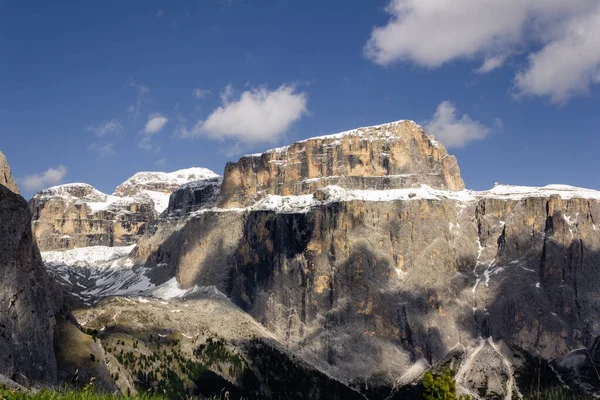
68, 394
557, 393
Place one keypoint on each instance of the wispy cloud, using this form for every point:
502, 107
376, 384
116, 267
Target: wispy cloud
112, 127
161, 162
160, 13
453, 131
103, 150
50, 177
141, 92
200, 93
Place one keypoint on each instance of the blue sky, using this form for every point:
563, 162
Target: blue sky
96, 91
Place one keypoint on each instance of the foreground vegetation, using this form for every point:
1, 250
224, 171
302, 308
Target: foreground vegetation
85, 394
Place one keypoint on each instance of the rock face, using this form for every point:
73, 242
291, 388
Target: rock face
6, 178
362, 254
29, 300
365, 287
369, 284
194, 196
389, 156
160, 185
77, 215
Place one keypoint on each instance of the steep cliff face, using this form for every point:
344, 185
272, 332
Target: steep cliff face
371, 286
194, 196
6, 178
389, 156
77, 215
363, 254
29, 300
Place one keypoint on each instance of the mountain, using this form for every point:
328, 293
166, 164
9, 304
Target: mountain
77, 215
31, 304
160, 185
364, 259
6, 178
389, 156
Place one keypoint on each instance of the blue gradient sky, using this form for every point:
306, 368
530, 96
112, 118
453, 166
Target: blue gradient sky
67, 68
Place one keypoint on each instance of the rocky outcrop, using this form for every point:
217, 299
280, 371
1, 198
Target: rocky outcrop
163, 182
389, 156
29, 300
6, 178
77, 215
194, 196
160, 185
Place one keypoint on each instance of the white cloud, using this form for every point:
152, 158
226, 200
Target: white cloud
103, 150
161, 162
431, 33
112, 127
492, 63
259, 115
155, 124
566, 65
200, 93
454, 132
50, 177
160, 13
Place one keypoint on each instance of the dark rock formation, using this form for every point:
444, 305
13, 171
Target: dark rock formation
29, 300
194, 196
6, 178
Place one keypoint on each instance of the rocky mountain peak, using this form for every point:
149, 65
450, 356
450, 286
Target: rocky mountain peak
395, 155
163, 182
6, 177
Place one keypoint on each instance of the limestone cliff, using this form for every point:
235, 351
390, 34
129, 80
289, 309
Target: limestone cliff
77, 215
29, 300
194, 196
389, 156
364, 287
362, 254
6, 178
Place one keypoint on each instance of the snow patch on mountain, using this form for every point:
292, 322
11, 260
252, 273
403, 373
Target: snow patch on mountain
151, 180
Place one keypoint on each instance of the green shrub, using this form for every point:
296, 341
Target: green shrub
440, 387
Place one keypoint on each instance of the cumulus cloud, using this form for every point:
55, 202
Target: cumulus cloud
566, 65
259, 115
50, 177
455, 132
103, 150
155, 124
431, 33
200, 93
112, 127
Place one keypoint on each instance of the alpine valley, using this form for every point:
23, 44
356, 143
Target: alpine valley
338, 267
